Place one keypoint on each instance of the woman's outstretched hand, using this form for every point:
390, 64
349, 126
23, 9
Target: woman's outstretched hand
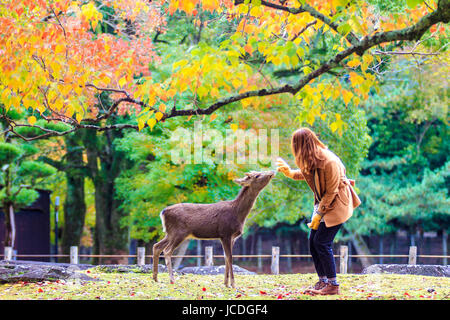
284, 168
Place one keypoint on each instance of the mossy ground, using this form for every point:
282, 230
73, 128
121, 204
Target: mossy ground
113, 286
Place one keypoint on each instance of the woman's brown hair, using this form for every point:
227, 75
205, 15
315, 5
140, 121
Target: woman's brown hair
305, 147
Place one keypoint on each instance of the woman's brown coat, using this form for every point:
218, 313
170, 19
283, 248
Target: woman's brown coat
332, 189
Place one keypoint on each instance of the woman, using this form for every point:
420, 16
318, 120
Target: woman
334, 201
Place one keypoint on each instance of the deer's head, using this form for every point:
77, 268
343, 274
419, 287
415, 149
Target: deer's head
256, 180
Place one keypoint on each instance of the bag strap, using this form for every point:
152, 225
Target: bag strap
316, 192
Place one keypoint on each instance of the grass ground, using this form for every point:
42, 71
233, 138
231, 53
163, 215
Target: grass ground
113, 286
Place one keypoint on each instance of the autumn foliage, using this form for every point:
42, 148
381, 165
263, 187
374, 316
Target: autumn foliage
58, 56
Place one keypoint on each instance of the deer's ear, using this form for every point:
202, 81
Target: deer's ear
242, 181
251, 174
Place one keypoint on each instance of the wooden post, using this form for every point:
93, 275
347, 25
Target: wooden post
8, 253
343, 259
209, 256
74, 255
140, 256
199, 252
275, 267
412, 259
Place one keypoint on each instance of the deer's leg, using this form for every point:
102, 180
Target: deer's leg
157, 249
226, 274
227, 248
168, 251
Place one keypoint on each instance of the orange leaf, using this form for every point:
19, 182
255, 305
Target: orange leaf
32, 120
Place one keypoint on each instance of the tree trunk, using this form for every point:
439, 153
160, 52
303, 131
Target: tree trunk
74, 204
109, 236
289, 251
380, 248
10, 220
361, 249
259, 252
444, 245
10, 224
244, 247
180, 251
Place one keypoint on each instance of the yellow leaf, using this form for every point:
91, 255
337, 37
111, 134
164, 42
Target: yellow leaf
354, 63
122, 81
159, 115
256, 11
141, 124
79, 117
347, 96
276, 60
300, 52
41, 108
202, 92
32, 120
212, 117
151, 123
333, 126
234, 127
236, 83
59, 48
214, 92
310, 118
367, 60
180, 63
356, 79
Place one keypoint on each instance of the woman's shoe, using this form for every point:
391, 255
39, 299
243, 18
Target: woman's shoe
329, 289
317, 287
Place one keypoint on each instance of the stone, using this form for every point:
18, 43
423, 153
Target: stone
213, 270
416, 269
16, 271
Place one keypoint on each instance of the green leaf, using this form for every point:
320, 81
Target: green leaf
344, 28
413, 3
9, 153
35, 169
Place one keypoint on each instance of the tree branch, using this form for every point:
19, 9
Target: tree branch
312, 11
411, 33
414, 32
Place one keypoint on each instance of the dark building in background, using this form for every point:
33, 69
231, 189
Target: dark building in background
32, 228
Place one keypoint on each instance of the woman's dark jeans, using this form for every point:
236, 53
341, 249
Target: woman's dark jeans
320, 246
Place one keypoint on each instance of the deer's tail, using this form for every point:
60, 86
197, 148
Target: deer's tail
161, 215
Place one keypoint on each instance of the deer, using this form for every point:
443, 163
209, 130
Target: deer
222, 221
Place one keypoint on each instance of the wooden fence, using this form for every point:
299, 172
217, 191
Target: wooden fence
209, 256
